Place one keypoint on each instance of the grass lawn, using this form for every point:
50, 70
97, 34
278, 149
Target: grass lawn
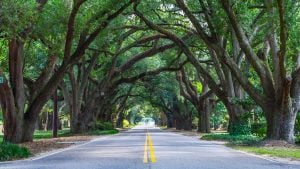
250, 143
293, 152
40, 134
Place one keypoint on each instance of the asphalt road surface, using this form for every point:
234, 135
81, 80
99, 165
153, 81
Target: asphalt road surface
148, 148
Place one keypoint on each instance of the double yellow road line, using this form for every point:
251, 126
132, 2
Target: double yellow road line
149, 145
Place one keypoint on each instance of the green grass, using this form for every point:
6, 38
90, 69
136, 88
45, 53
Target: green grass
233, 139
40, 134
293, 152
250, 143
103, 132
10, 151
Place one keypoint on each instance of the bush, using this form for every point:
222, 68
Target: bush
297, 124
99, 125
10, 151
126, 123
242, 128
297, 139
259, 129
233, 139
103, 132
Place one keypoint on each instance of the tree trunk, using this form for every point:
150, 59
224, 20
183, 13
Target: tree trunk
187, 125
281, 122
55, 115
170, 119
49, 121
120, 120
203, 114
13, 96
179, 125
75, 105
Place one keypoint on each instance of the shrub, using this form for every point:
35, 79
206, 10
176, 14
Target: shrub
103, 132
233, 139
297, 124
297, 139
242, 128
259, 129
126, 123
99, 125
10, 151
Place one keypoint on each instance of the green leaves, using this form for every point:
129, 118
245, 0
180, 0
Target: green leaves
16, 15
10, 151
198, 86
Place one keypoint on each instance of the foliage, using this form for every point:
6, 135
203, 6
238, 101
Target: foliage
125, 40
239, 128
14, 18
297, 124
100, 125
233, 139
103, 132
219, 117
246, 102
198, 86
297, 138
259, 129
126, 123
1, 117
10, 151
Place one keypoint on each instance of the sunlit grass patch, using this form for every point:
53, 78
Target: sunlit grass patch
40, 134
290, 152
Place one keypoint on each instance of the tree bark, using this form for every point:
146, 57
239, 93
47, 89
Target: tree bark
280, 123
204, 110
13, 99
55, 115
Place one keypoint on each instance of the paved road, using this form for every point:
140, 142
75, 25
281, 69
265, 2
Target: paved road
128, 151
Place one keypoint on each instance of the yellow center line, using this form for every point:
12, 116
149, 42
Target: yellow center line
146, 150
148, 142
152, 155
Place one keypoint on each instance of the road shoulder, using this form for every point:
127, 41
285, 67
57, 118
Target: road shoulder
195, 134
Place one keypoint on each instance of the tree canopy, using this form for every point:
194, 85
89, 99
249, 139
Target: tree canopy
187, 64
